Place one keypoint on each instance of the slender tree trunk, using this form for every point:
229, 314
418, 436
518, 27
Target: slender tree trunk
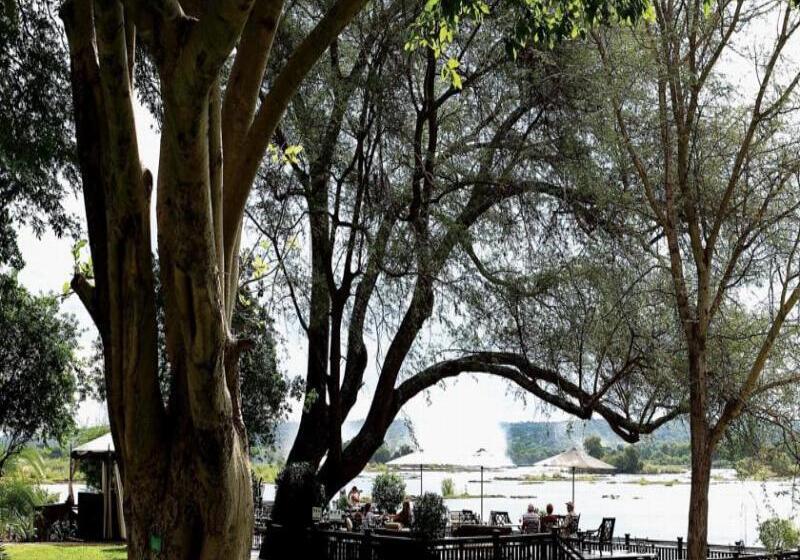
697, 545
697, 532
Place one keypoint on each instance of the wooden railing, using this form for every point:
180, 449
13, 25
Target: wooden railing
337, 545
676, 550
341, 545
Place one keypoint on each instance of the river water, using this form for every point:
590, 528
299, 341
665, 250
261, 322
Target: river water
652, 506
646, 506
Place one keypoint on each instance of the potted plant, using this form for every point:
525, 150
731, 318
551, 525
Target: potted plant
388, 492
429, 521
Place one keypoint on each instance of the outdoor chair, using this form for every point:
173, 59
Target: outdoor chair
499, 518
530, 523
548, 523
602, 537
572, 525
468, 517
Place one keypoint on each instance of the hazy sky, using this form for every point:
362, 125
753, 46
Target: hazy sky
465, 415
472, 407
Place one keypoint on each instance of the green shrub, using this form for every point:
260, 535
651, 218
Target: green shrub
300, 481
448, 488
778, 534
18, 502
3, 554
388, 492
430, 516
627, 460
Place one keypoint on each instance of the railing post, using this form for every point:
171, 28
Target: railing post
680, 548
496, 544
627, 542
366, 546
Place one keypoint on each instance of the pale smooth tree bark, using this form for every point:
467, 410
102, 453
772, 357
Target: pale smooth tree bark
185, 463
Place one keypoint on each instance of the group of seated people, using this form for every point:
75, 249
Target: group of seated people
534, 521
365, 516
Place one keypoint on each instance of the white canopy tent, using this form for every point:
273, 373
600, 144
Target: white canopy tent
102, 449
575, 459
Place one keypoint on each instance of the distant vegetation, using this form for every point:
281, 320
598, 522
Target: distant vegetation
529, 442
667, 450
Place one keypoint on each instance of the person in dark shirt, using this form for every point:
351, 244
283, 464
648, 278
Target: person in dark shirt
548, 521
404, 517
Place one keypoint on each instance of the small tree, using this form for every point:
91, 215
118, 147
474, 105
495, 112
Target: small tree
388, 492
628, 461
448, 488
37, 367
777, 534
430, 516
594, 446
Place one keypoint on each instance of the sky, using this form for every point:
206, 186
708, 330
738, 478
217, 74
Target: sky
464, 415
470, 407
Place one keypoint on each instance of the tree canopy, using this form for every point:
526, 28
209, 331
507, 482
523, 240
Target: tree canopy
38, 368
37, 146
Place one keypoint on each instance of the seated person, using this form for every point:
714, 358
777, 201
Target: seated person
370, 519
571, 519
530, 520
354, 497
404, 517
548, 521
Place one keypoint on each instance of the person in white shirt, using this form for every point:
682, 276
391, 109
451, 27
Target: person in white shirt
370, 518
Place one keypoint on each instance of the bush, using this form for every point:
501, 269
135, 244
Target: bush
430, 516
3, 554
778, 534
18, 502
388, 492
448, 488
300, 481
628, 461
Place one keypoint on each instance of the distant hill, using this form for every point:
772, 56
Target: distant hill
399, 433
528, 442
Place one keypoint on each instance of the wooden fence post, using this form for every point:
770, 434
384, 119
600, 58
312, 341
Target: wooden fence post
366, 546
496, 545
628, 542
680, 548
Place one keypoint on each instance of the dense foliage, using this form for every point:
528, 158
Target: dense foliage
19, 499
430, 516
778, 534
384, 454
388, 492
448, 488
38, 367
299, 481
36, 140
266, 391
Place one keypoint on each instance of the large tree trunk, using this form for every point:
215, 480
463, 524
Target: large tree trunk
185, 466
195, 511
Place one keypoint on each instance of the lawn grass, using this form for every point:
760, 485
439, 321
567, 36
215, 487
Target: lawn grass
37, 551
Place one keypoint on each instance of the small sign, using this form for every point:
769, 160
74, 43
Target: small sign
335, 515
316, 513
155, 543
